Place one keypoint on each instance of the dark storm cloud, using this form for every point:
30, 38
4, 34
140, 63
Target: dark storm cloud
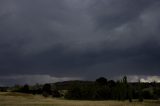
79, 38
113, 13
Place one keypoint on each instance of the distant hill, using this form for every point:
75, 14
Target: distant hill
65, 85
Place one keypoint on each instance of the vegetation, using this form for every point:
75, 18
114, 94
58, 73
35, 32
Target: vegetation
100, 89
110, 90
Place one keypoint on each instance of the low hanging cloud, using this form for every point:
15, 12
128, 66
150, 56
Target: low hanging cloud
150, 79
32, 79
143, 78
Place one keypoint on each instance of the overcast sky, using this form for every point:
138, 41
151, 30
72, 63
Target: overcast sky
59, 40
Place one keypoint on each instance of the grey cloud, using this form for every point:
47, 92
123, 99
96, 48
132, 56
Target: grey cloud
109, 14
32, 79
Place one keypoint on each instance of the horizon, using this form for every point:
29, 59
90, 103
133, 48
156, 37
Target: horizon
130, 79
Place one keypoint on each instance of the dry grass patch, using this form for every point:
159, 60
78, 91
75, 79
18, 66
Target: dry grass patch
18, 99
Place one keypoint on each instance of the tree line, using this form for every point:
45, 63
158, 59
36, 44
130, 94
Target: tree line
100, 89
105, 90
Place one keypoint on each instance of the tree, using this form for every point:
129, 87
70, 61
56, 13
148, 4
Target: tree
123, 88
74, 93
25, 89
125, 80
102, 93
111, 83
147, 94
46, 91
56, 93
36, 89
101, 81
140, 93
156, 92
80, 92
130, 93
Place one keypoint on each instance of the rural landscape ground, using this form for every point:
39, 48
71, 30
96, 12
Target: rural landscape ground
19, 99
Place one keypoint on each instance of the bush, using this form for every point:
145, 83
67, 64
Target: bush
80, 93
45, 94
56, 93
73, 93
147, 95
102, 93
24, 89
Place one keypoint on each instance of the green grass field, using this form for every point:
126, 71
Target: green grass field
17, 99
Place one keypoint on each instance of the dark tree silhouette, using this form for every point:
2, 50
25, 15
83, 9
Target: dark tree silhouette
25, 89
74, 93
130, 93
101, 81
140, 93
56, 93
46, 90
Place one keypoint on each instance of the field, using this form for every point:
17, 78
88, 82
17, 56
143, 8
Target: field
17, 99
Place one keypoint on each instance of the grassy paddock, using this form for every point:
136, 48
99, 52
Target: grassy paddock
17, 99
